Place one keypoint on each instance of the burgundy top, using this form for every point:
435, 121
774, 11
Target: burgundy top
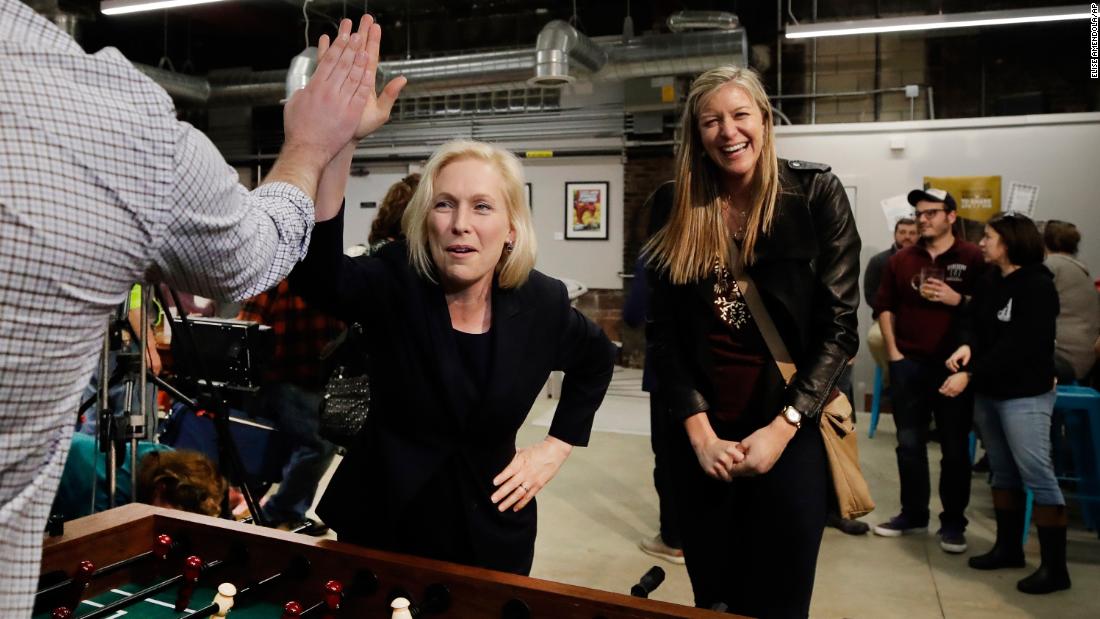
738, 351
923, 328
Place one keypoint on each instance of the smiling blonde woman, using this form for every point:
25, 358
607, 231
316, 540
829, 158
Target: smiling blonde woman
748, 464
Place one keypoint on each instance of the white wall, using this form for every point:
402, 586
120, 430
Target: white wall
369, 188
594, 263
1058, 152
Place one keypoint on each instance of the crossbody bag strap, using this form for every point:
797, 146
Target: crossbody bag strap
760, 314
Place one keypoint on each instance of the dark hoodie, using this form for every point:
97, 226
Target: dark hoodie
1010, 329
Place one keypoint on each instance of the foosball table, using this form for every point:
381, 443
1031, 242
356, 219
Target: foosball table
143, 561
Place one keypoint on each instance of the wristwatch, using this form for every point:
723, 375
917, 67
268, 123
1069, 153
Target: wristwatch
791, 415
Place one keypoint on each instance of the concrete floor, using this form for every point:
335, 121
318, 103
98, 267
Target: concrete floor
593, 514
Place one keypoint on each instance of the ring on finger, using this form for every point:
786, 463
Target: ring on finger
525, 486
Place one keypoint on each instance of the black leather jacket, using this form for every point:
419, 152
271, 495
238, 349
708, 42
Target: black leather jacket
807, 270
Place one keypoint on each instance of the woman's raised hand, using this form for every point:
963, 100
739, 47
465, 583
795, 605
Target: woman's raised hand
529, 471
378, 107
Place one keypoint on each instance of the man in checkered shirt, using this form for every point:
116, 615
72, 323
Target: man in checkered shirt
100, 187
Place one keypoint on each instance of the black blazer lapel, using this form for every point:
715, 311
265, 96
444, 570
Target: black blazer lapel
442, 350
510, 334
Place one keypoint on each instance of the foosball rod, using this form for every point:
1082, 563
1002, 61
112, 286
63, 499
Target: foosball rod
298, 568
109, 609
114, 567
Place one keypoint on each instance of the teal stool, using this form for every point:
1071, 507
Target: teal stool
1080, 408
876, 401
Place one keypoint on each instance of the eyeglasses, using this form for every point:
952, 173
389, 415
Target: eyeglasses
929, 213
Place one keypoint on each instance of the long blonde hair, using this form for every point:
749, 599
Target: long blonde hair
695, 234
515, 265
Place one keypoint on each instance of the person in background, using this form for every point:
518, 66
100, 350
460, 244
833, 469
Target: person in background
747, 458
666, 544
1078, 325
101, 157
1007, 359
185, 480
386, 226
905, 235
158, 324
291, 396
924, 287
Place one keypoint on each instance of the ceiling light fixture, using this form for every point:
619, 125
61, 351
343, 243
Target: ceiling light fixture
936, 22
122, 7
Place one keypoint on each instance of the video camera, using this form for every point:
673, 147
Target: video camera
235, 352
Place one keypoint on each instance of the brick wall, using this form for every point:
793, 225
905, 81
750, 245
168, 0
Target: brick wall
605, 308
846, 64
643, 171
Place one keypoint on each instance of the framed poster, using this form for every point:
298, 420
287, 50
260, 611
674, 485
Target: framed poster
586, 210
527, 196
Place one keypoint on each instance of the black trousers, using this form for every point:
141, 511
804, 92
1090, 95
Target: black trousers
752, 543
914, 393
659, 430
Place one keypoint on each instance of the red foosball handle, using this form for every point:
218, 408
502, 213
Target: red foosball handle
292, 610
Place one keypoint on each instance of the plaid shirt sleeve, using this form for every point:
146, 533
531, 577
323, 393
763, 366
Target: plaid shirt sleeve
221, 240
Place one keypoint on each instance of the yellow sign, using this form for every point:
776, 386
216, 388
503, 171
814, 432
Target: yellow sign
978, 199
538, 154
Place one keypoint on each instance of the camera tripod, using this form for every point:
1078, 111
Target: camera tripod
132, 372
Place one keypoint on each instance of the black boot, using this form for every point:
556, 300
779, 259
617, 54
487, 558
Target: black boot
1008, 550
1052, 574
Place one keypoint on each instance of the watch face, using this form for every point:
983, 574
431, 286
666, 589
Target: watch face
792, 415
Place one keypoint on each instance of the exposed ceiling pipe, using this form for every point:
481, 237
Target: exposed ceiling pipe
674, 54
559, 44
610, 59
466, 73
188, 89
702, 20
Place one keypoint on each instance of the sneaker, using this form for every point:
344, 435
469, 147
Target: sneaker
952, 540
658, 548
899, 525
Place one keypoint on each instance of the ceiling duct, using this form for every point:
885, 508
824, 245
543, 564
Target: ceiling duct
674, 54
183, 88
559, 44
702, 20
500, 70
606, 59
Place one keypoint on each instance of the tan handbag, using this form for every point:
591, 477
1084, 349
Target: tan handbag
837, 429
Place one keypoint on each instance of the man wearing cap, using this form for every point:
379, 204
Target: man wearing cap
924, 288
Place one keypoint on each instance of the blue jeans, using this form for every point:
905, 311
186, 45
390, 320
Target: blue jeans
1017, 438
295, 412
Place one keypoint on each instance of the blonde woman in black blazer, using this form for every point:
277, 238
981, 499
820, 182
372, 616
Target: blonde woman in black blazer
462, 334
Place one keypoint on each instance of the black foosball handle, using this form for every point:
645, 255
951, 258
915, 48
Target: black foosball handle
437, 599
515, 608
648, 583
